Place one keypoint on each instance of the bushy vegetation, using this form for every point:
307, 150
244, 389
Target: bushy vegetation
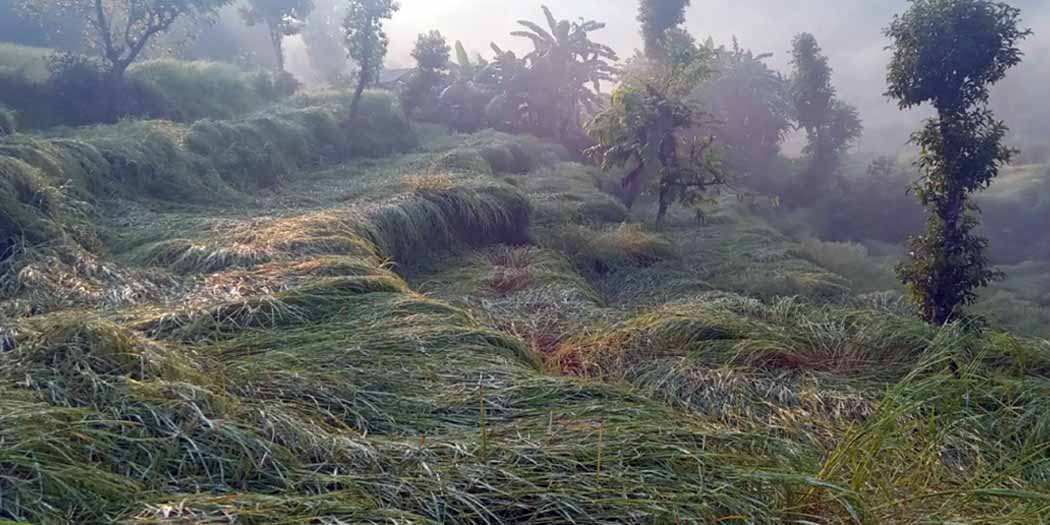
61, 89
210, 161
962, 148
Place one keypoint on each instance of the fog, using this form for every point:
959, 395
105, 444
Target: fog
849, 30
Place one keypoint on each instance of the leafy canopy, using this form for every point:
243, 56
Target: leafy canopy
654, 125
121, 29
752, 103
432, 52
949, 53
657, 17
831, 125
366, 41
282, 18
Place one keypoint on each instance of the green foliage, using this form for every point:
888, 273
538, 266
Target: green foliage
652, 125
753, 105
26, 62
84, 93
432, 54
77, 91
121, 29
465, 69
282, 18
962, 149
982, 37
832, 126
545, 93
366, 41
196, 90
562, 77
657, 17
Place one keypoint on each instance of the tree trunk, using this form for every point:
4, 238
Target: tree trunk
358, 92
669, 177
632, 185
666, 197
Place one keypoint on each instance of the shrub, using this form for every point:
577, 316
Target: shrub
852, 261
598, 252
27, 62
381, 127
84, 93
31, 207
196, 90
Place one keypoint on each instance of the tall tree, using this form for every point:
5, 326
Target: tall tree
753, 105
121, 29
432, 54
282, 18
565, 71
657, 17
367, 42
654, 126
832, 126
948, 53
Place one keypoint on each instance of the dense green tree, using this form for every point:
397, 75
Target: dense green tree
121, 29
832, 126
752, 104
282, 18
367, 42
655, 127
657, 17
948, 53
432, 54
562, 77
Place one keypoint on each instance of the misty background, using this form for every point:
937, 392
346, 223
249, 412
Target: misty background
850, 31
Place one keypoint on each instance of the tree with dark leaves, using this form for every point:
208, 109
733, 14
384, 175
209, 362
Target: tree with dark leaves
831, 125
655, 127
948, 53
753, 105
121, 29
282, 18
367, 42
657, 17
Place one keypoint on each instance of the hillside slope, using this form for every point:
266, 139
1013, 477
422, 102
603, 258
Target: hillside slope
473, 332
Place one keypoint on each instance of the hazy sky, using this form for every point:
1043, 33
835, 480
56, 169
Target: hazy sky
849, 30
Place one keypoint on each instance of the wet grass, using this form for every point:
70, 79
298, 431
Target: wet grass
475, 332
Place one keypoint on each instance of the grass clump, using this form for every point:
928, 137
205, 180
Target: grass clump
77, 360
196, 90
598, 252
852, 261
729, 329
161, 161
24, 61
34, 210
435, 222
941, 443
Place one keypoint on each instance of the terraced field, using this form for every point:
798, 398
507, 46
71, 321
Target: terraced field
473, 331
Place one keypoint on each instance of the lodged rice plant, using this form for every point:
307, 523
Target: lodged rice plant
407, 340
